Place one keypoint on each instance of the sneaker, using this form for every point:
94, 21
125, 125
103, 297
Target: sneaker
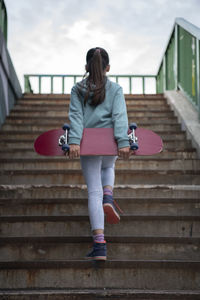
99, 251
109, 206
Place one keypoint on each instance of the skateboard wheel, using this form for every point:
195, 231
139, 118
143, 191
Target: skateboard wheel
65, 148
134, 146
132, 126
66, 127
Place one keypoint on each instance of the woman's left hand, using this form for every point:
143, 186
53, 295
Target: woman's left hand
74, 151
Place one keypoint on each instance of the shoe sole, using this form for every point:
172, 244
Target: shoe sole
96, 258
112, 216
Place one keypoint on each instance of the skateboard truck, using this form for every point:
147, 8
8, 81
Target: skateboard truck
63, 139
133, 140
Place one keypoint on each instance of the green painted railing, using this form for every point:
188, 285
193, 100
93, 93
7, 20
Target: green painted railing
179, 68
180, 64
3, 19
40, 77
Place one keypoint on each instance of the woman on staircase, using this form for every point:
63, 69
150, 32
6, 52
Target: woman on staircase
97, 102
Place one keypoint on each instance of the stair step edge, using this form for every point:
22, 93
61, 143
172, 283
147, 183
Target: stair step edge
116, 264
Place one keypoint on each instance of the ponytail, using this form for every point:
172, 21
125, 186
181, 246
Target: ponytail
97, 61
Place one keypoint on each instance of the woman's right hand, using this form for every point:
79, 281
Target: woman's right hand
74, 151
124, 152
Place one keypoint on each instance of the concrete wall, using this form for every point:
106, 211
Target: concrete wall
187, 116
10, 89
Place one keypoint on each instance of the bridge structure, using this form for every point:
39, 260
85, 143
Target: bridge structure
154, 252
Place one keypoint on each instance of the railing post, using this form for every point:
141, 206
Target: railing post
39, 84
198, 75
176, 57
51, 84
143, 85
63, 84
26, 85
130, 84
164, 73
156, 78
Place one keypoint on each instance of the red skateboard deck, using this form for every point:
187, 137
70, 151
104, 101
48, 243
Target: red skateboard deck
98, 141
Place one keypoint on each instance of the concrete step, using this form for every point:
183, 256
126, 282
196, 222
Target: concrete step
25, 140
118, 248
32, 135
30, 96
77, 206
24, 135
58, 121
26, 114
123, 176
51, 107
63, 163
61, 96
44, 127
150, 101
64, 191
131, 113
9, 144
136, 111
66, 97
58, 97
151, 274
139, 225
14, 151
100, 294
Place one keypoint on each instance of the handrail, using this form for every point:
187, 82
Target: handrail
3, 19
10, 89
179, 68
28, 88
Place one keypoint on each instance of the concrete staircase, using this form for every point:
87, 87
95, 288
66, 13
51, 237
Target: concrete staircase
154, 253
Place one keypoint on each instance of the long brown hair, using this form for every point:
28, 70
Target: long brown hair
97, 60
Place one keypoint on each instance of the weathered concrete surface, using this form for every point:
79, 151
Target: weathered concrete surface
63, 191
132, 247
100, 294
140, 274
187, 116
153, 253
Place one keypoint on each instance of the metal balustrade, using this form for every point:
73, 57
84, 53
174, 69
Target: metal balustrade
180, 63
28, 85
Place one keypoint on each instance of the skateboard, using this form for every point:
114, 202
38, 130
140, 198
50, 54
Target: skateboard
98, 141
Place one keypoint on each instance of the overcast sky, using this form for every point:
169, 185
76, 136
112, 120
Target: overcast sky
48, 36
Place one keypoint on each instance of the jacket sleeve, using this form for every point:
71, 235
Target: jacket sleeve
120, 119
75, 117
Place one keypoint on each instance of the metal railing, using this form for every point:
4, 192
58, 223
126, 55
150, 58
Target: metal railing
28, 86
3, 19
179, 68
180, 64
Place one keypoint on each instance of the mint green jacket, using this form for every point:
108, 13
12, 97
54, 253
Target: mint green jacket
111, 113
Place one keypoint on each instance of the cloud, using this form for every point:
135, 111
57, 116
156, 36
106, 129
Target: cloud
48, 37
